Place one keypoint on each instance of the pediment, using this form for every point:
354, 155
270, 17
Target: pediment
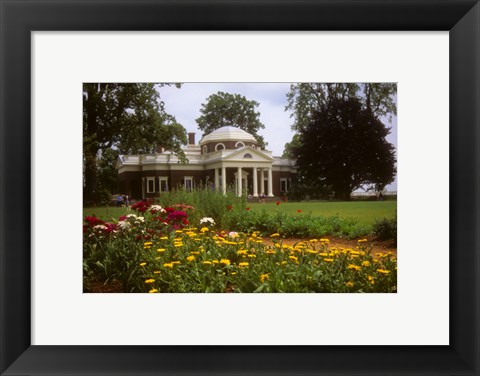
247, 154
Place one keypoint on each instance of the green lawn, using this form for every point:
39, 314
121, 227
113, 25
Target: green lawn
367, 212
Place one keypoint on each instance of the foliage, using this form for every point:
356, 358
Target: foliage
386, 229
344, 147
147, 257
127, 117
225, 109
304, 99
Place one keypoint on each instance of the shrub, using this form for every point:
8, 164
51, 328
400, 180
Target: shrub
386, 229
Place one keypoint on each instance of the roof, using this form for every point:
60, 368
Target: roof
228, 133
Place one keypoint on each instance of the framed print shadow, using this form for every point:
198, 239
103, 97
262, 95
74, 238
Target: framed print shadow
19, 356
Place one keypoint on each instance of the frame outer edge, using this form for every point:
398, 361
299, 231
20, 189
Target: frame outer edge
465, 187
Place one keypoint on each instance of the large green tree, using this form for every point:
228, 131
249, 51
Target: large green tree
129, 118
225, 109
304, 99
344, 147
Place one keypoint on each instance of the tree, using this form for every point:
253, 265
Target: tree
344, 147
225, 109
129, 118
304, 99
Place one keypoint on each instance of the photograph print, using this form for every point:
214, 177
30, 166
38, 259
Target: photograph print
240, 187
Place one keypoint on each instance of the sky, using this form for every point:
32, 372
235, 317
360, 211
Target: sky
185, 105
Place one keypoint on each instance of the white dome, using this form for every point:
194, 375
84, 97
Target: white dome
228, 134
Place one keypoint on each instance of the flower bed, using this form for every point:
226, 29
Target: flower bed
158, 250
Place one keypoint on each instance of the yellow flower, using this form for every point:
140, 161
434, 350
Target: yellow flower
153, 291
143, 263
323, 254
176, 262
275, 235
252, 256
284, 262
323, 240
204, 229
178, 245
215, 261
150, 280
242, 252
195, 253
353, 266
328, 260
161, 250
366, 263
293, 258
349, 284
146, 244
156, 272
233, 273
164, 238
190, 258
207, 263
178, 231
362, 240
242, 264
168, 265
270, 252
383, 271
263, 277
225, 261
371, 279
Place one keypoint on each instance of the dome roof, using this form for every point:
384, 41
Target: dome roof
228, 134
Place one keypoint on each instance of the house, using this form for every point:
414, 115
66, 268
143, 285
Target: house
227, 158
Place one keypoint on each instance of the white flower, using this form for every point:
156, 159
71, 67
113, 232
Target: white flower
100, 227
207, 220
157, 208
124, 225
233, 234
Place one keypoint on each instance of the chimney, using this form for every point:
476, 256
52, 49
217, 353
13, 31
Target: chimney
191, 138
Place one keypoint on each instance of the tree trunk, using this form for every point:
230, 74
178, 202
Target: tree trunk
90, 186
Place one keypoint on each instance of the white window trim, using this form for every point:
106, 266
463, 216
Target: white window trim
239, 143
188, 178
150, 179
160, 180
286, 184
217, 145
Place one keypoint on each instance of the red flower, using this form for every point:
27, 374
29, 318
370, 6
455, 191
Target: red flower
229, 207
299, 211
247, 209
278, 203
93, 220
122, 218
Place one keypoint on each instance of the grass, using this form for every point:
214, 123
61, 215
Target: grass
366, 212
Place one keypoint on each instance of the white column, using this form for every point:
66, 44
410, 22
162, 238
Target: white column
217, 180
262, 181
255, 183
224, 180
239, 181
270, 183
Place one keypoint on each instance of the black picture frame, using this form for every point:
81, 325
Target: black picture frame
20, 17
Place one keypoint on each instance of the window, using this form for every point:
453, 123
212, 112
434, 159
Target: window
239, 144
284, 185
219, 147
248, 155
163, 184
205, 149
151, 185
188, 183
